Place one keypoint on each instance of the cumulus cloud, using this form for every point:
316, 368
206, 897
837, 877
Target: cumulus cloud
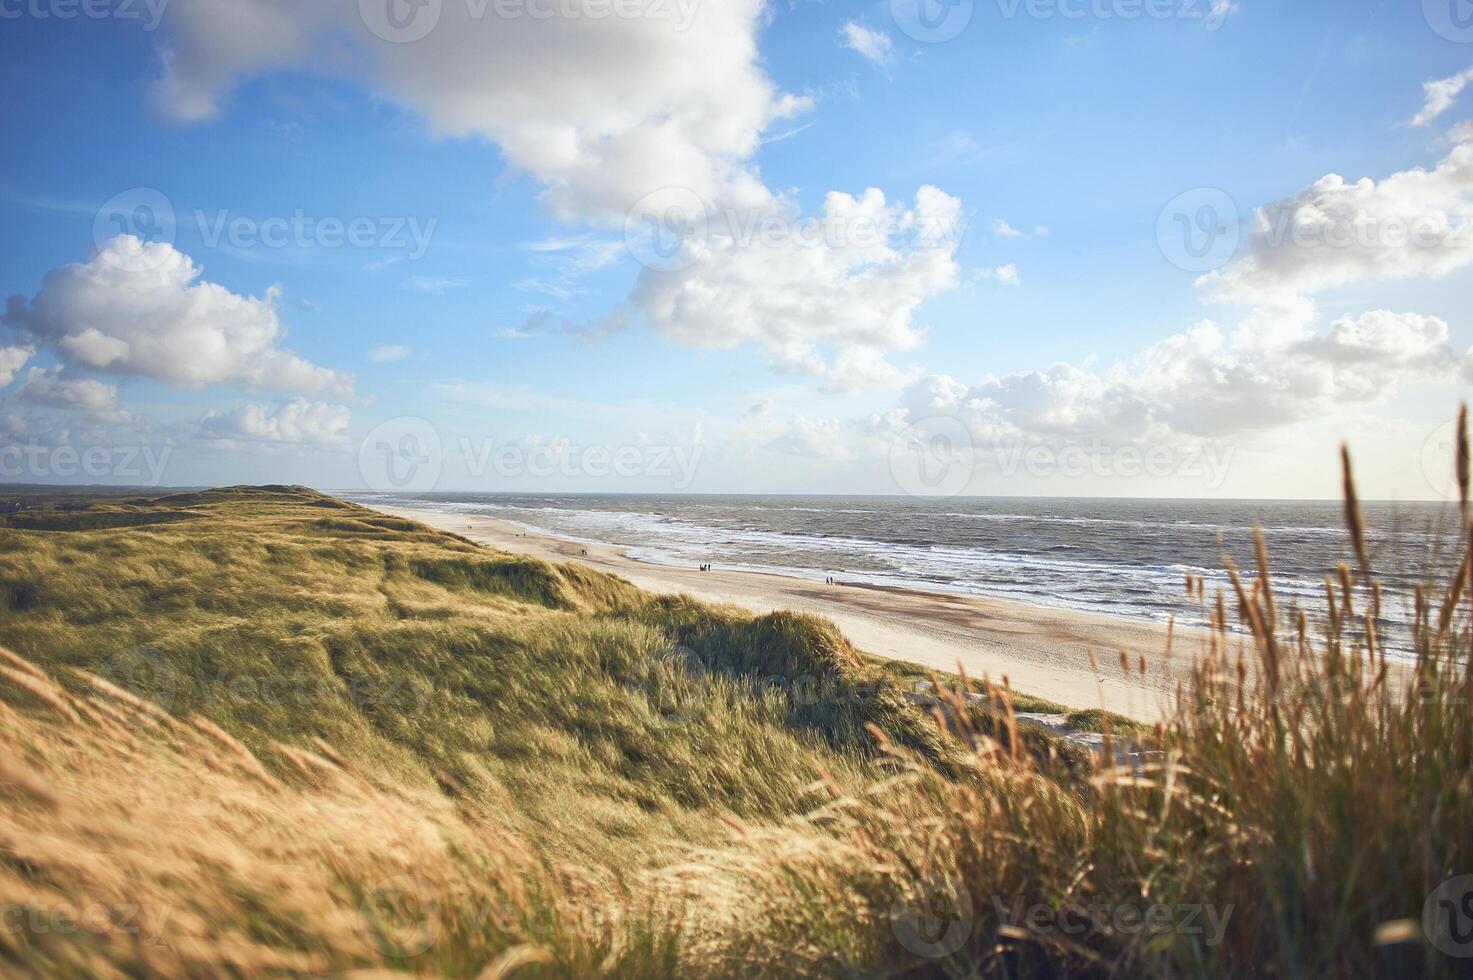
1336, 233
1275, 369
87, 396
1440, 97
141, 309
297, 422
875, 46
12, 359
622, 105
849, 280
625, 110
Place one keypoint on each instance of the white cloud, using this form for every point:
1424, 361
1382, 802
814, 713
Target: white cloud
88, 396
1005, 274
1274, 370
569, 259
624, 110
12, 359
860, 369
141, 309
389, 353
1440, 96
873, 45
622, 105
1462, 132
1002, 229
810, 438
1335, 233
850, 280
297, 422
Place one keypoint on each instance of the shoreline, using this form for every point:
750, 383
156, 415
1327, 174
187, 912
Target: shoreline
1043, 651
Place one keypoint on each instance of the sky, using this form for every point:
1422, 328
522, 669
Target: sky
1149, 248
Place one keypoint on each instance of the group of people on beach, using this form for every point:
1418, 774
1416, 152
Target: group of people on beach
705, 568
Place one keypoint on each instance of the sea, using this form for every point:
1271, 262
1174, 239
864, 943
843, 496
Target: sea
1117, 557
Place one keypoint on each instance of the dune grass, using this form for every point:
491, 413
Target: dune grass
284, 734
1306, 812
617, 719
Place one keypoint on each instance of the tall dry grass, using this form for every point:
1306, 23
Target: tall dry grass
1307, 811
134, 843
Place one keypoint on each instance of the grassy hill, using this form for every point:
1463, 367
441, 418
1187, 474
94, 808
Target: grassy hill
261, 731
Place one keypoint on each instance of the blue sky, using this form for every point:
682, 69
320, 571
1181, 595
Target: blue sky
491, 326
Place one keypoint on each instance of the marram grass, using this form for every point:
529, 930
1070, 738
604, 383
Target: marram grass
276, 734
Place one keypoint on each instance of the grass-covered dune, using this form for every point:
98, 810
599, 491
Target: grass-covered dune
264, 732
197, 648
281, 614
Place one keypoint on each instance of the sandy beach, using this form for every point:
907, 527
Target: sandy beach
1041, 651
